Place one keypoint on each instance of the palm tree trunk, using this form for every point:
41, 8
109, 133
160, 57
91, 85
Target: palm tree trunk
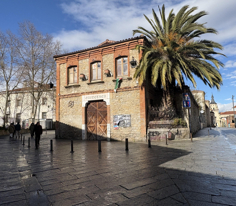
167, 109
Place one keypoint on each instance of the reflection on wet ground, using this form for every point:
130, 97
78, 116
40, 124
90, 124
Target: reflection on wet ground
202, 172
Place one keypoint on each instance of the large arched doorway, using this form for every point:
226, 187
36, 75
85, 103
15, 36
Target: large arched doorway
96, 117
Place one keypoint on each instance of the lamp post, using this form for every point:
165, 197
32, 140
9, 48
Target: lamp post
233, 108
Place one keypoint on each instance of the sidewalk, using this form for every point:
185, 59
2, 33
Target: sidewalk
202, 172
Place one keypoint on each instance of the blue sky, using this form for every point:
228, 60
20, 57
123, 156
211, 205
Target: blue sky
80, 24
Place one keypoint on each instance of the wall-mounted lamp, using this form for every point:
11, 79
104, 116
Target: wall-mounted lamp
108, 73
83, 77
51, 85
133, 63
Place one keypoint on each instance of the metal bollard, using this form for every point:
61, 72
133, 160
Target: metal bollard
166, 138
29, 142
149, 140
23, 140
126, 145
191, 135
72, 149
21, 136
99, 146
51, 145
208, 132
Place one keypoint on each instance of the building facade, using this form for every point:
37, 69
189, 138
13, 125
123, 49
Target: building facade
214, 113
19, 108
97, 97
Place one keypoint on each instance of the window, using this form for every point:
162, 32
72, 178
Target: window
9, 103
122, 66
72, 71
96, 71
7, 118
44, 101
18, 102
18, 117
44, 115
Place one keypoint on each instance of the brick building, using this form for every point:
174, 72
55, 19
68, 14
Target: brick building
96, 94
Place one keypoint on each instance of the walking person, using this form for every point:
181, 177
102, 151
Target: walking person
11, 129
18, 129
38, 131
31, 128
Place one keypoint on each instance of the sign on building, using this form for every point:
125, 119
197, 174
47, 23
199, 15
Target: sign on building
122, 120
186, 100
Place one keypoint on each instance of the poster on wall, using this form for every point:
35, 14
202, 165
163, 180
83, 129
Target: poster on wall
122, 120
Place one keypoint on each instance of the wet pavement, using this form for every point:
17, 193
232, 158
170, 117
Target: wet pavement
202, 172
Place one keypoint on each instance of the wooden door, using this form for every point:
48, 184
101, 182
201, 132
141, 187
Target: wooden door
97, 120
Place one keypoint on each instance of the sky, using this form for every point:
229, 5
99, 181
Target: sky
81, 24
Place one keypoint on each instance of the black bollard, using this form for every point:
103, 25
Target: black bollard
126, 144
208, 132
149, 140
21, 136
166, 138
23, 140
29, 142
72, 150
51, 145
191, 135
99, 146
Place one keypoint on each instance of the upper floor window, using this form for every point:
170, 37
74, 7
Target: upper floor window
18, 117
44, 101
44, 115
122, 66
7, 118
72, 71
18, 102
8, 103
96, 71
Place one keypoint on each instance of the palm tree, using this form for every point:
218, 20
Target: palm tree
173, 53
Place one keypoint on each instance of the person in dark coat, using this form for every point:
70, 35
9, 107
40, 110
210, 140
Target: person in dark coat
11, 130
31, 128
18, 129
38, 131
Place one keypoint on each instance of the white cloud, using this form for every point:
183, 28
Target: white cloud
225, 107
228, 99
230, 63
115, 20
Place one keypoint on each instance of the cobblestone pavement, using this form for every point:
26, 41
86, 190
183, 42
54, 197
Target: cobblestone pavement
202, 172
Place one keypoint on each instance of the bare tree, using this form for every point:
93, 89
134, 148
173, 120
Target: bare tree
10, 72
36, 53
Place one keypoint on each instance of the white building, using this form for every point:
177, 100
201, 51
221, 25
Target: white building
19, 108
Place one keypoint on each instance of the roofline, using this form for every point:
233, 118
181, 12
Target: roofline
96, 47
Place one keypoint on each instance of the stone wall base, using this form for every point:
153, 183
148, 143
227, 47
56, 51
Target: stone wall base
160, 134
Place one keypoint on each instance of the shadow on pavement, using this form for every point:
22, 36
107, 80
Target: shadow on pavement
140, 176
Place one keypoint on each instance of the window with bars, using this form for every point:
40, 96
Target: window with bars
72, 74
122, 67
96, 71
